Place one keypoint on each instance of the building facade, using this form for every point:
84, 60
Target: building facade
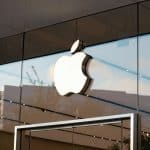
117, 36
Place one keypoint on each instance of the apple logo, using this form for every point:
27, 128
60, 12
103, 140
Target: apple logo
70, 75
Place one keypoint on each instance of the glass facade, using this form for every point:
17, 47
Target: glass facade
118, 41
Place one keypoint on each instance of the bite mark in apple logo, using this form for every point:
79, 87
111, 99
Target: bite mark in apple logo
70, 72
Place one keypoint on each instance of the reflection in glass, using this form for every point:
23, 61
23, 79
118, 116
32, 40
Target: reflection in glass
10, 78
114, 66
144, 89
91, 137
144, 65
39, 71
113, 70
10, 74
113, 91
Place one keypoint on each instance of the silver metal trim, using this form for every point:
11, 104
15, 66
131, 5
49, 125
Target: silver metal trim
82, 122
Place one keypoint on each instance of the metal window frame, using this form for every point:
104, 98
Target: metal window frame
134, 127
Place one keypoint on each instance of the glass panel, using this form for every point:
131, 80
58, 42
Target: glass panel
91, 137
7, 141
11, 49
114, 83
144, 89
49, 40
7, 125
108, 25
113, 70
10, 80
144, 13
41, 115
13, 112
144, 73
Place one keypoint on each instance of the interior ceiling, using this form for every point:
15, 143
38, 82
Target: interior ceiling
23, 15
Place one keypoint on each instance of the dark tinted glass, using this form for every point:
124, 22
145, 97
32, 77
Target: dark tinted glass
11, 49
144, 74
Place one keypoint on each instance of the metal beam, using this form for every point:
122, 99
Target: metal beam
134, 127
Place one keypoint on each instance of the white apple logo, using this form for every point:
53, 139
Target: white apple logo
70, 74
